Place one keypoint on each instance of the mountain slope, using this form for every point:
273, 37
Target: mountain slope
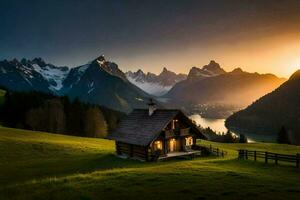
102, 82
155, 84
98, 82
236, 88
29, 75
269, 113
210, 70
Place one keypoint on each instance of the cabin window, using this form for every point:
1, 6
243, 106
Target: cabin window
189, 141
174, 123
157, 145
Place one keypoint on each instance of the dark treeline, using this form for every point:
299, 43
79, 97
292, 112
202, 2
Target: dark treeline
46, 112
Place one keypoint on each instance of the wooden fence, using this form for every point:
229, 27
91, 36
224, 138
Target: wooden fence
217, 151
268, 156
210, 150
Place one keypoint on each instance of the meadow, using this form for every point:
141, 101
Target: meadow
36, 165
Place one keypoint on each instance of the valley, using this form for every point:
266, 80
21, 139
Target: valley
209, 91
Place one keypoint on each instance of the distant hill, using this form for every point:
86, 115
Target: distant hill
98, 82
155, 84
279, 108
211, 87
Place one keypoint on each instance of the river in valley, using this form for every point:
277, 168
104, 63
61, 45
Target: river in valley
217, 125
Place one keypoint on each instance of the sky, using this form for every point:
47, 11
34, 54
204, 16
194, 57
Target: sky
257, 35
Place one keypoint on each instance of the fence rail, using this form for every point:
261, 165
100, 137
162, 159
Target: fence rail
269, 156
217, 151
212, 150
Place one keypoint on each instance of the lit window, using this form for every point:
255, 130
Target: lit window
157, 145
189, 141
174, 122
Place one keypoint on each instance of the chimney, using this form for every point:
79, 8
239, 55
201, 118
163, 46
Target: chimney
152, 107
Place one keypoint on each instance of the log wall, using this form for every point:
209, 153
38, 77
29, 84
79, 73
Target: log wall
132, 151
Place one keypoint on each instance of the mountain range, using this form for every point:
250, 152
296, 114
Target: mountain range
212, 88
27, 75
98, 82
157, 85
268, 114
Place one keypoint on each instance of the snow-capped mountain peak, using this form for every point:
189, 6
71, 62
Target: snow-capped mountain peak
212, 69
110, 67
98, 82
157, 85
35, 74
100, 63
54, 75
101, 60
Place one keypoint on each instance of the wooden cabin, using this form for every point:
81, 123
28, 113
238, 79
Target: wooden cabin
151, 134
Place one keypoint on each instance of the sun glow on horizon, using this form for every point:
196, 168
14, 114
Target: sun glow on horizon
279, 55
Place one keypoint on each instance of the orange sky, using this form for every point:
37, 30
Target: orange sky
278, 54
257, 35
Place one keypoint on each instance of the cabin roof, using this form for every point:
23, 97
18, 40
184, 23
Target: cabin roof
141, 129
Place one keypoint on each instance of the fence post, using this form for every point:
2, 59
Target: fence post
246, 151
210, 148
276, 159
222, 153
218, 151
254, 155
266, 157
243, 154
298, 160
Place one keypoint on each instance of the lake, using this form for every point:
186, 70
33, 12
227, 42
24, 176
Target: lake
217, 125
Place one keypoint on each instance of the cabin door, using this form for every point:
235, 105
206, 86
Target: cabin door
173, 145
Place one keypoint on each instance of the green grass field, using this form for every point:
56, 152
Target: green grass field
38, 165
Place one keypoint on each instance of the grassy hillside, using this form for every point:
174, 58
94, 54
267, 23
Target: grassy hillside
37, 165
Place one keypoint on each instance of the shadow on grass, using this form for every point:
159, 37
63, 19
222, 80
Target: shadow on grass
88, 163
159, 179
28, 170
257, 165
